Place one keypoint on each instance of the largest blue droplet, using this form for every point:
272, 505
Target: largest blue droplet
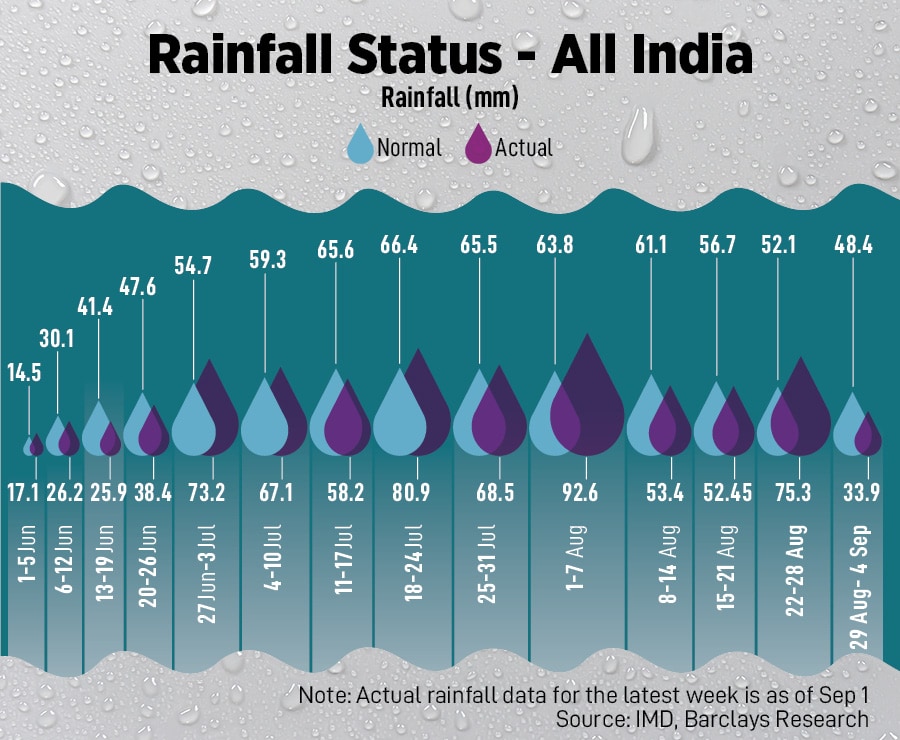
321, 412
264, 429
193, 431
539, 427
399, 425
462, 423
360, 149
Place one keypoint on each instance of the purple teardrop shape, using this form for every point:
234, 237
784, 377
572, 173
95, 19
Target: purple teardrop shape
801, 423
153, 437
434, 408
868, 438
37, 447
478, 148
110, 444
587, 414
499, 424
670, 430
68, 442
293, 413
733, 429
220, 407
347, 427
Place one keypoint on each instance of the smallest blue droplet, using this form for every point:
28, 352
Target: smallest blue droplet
360, 149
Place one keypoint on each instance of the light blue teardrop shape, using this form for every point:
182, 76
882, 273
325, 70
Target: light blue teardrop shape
539, 426
193, 431
27, 448
265, 428
462, 424
360, 149
399, 425
706, 420
94, 430
321, 412
133, 426
53, 437
764, 431
847, 426
638, 427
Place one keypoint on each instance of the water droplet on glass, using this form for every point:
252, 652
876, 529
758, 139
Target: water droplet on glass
572, 9
835, 136
587, 413
787, 176
150, 172
465, 10
425, 199
881, 26
290, 23
430, 712
525, 41
638, 427
870, 106
762, 10
744, 108
499, 424
204, 8
292, 700
461, 720
46, 719
539, 428
154, 27
190, 715
731, 33
638, 141
478, 147
207, 423
884, 171
462, 422
800, 422
360, 149
347, 427
670, 430
86, 132
51, 188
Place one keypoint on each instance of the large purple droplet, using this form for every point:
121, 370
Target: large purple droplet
478, 148
68, 442
153, 437
801, 423
733, 429
110, 444
670, 430
868, 438
587, 414
220, 407
347, 427
499, 424
434, 408
293, 413
36, 447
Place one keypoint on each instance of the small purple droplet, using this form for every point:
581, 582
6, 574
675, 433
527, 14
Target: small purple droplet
478, 148
670, 430
733, 428
347, 427
868, 438
293, 414
153, 437
801, 423
110, 444
220, 408
68, 442
499, 424
434, 408
36, 446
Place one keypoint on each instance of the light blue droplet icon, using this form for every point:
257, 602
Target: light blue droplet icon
94, 430
265, 428
638, 426
706, 420
764, 431
539, 427
321, 412
462, 424
193, 431
847, 426
360, 149
54, 436
131, 432
399, 425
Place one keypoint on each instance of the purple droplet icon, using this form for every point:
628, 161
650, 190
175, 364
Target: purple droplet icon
587, 414
434, 408
801, 423
293, 413
220, 408
110, 444
499, 424
68, 442
733, 429
35, 447
670, 430
478, 148
347, 427
153, 439
868, 438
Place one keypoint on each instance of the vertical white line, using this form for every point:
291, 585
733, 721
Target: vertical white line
399, 314
213, 467
734, 467
265, 324
70, 468
853, 322
142, 344
417, 468
57, 382
717, 317
651, 314
671, 468
193, 329
153, 467
282, 467
29, 409
554, 311
335, 313
35, 467
349, 468
98, 359
479, 311
868, 468
799, 468
777, 319
585, 467
499, 468
110, 467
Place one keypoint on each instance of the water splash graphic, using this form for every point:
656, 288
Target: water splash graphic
399, 425
347, 428
431, 401
670, 430
868, 438
638, 428
499, 424
207, 423
321, 412
801, 423
478, 147
54, 436
360, 149
99, 435
733, 428
33, 446
462, 422
293, 412
68, 442
706, 421
539, 428
587, 413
